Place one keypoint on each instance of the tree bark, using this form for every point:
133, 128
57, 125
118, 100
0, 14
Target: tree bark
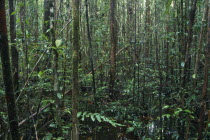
205, 83
46, 24
7, 77
75, 75
14, 51
203, 28
160, 89
55, 70
91, 54
186, 71
113, 40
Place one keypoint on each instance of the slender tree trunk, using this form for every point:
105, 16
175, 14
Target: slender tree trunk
14, 51
57, 95
134, 56
160, 90
147, 28
205, 83
7, 77
186, 71
46, 24
113, 39
36, 34
91, 54
24, 43
200, 43
75, 74
167, 52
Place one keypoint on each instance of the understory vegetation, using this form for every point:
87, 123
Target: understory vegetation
105, 70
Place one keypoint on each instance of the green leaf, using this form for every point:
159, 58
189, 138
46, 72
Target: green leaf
92, 118
188, 111
182, 64
98, 118
48, 30
79, 114
167, 115
192, 117
88, 115
59, 95
13, 13
45, 102
84, 113
194, 76
58, 43
48, 136
168, 4
112, 123
83, 118
40, 74
1, 92
130, 129
166, 106
102, 117
52, 125
178, 111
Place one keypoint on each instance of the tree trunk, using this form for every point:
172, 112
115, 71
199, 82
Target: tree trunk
14, 51
205, 83
203, 28
46, 24
55, 71
186, 71
75, 75
113, 39
160, 89
7, 77
91, 55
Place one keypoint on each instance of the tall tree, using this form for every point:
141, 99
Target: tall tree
14, 51
46, 24
160, 90
91, 53
75, 75
203, 28
55, 68
186, 71
113, 39
7, 77
205, 83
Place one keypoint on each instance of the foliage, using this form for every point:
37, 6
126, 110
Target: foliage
157, 94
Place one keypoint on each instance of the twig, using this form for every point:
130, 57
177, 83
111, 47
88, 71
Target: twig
34, 114
31, 116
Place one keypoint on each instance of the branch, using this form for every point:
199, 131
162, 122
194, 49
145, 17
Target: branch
23, 121
34, 114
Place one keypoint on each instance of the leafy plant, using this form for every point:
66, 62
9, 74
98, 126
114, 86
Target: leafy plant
98, 117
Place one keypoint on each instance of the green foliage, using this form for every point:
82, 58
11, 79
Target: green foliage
135, 109
98, 117
168, 4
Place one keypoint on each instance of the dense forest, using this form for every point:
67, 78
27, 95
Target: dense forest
105, 70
